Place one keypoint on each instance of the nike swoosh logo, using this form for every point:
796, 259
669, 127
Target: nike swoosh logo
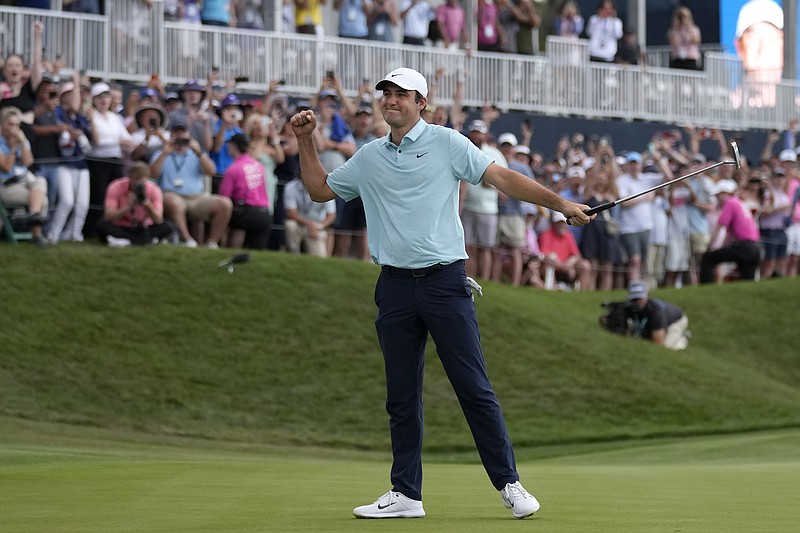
420, 155
382, 507
393, 75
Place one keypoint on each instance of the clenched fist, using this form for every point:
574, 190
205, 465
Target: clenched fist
303, 123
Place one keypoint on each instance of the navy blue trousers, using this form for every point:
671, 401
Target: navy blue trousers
440, 303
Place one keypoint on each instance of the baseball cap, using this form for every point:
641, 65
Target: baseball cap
637, 289
788, 155
726, 185
558, 217
778, 171
364, 109
588, 163
100, 88
67, 87
520, 149
507, 138
192, 85
478, 125
171, 96
325, 93
699, 158
179, 124
148, 92
576, 172
756, 11
633, 156
405, 78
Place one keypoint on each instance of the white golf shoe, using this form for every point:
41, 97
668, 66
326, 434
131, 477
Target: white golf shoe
520, 501
391, 505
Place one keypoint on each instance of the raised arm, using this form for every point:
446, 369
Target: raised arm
312, 172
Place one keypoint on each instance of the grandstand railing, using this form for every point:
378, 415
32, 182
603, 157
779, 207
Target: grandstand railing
131, 42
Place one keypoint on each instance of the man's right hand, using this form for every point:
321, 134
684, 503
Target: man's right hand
304, 123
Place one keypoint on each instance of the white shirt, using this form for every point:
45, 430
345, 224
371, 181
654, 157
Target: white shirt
109, 131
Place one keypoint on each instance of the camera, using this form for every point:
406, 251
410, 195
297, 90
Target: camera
153, 123
329, 74
181, 141
140, 192
616, 317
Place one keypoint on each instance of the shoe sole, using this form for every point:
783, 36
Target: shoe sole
406, 514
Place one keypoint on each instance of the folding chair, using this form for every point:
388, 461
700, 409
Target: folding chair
12, 236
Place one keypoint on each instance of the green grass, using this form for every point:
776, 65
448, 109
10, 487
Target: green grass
80, 481
150, 390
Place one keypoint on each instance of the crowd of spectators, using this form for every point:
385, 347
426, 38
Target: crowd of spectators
201, 165
505, 26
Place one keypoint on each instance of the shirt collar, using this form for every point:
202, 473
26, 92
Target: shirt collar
412, 135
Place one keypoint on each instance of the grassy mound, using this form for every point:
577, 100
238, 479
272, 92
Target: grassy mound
283, 351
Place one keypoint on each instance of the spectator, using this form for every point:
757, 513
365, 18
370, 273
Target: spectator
599, 242
73, 172
628, 50
678, 252
244, 183
479, 209
561, 254
604, 30
180, 169
511, 228
636, 217
656, 251
306, 220
416, 15
491, 36
661, 322
382, 19
742, 236
133, 211
194, 112
47, 133
266, 148
249, 14
759, 40
151, 134
684, 40
308, 16
18, 86
110, 140
218, 13
18, 186
699, 206
353, 16
230, 115
451, 19
569, 22
172, 102
772, 224
528, 21
509, 25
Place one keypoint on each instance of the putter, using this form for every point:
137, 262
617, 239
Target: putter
735, 161
239, 258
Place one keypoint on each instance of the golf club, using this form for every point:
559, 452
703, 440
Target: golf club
238, 258
735, 161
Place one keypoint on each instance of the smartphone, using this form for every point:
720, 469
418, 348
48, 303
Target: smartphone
153, 123
237, 115
241, 79
329, 74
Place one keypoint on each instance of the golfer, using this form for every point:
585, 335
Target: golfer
409, 183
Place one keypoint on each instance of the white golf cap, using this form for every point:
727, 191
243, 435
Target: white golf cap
558, 217
507, 138
576, 172
100, 88
788, 155
520, 149
405, 78
726, 185
756, 11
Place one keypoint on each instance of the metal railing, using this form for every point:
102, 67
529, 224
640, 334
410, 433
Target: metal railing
130, 43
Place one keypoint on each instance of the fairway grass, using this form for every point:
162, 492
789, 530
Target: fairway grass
107, 482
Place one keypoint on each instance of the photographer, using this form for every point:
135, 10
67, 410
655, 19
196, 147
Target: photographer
661, 322
134, 212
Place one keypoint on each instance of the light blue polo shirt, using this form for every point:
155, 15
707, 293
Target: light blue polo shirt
410, 194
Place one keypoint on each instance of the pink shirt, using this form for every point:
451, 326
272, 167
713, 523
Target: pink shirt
244, 181
118, 196
791, 191
738, 220
564, 246
452, 20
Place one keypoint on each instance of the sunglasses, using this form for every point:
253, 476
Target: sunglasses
52, 95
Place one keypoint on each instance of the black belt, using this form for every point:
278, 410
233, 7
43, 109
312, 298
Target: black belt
418, 272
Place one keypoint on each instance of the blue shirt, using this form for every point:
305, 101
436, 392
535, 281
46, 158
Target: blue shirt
410, 194
18, 169
216, 11
352, 19
181, 173
222, 158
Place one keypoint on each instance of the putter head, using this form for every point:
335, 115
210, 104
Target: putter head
735, 151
